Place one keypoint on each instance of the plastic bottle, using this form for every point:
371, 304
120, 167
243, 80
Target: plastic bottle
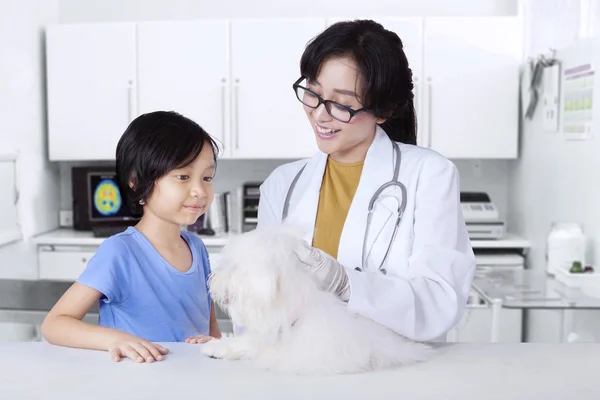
566, 243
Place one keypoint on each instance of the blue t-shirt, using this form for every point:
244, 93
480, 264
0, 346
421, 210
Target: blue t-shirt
143, 294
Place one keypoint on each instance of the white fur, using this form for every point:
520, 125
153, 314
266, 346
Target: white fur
289, 324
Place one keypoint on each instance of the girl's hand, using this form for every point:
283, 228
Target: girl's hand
137, 349
199, 339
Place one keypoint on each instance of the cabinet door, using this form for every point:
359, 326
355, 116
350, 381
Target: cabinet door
268, 120
90, 88
472, 95
9, 228
183, 67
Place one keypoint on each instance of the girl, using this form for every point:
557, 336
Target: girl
151, 279
409, 264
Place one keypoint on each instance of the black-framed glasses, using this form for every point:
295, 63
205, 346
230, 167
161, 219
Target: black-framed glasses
335, 110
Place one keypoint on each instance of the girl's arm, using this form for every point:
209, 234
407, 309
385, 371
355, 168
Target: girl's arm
63, 326
214, 330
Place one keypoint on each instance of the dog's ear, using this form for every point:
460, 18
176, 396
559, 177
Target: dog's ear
265, 286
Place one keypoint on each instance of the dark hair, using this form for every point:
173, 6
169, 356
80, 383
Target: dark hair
387, 78
151, 146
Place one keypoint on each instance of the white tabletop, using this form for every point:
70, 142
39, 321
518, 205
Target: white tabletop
531, 289
460, 371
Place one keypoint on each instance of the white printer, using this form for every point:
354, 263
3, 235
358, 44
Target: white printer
481, 216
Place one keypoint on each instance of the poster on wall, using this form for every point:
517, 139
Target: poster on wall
578, 90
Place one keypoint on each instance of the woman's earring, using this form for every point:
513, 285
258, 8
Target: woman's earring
142, 202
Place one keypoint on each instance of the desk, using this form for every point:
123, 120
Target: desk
459, 371
528, 290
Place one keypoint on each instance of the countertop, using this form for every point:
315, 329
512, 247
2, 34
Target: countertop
67, 236
459, 371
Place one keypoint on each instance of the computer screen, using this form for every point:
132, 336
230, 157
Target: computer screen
105, 200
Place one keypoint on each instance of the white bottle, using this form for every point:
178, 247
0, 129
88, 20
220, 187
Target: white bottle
566, 243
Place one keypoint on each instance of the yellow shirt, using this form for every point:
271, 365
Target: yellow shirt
337, 191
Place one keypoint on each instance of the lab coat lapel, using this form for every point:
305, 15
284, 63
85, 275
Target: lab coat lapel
377, 170
305, 198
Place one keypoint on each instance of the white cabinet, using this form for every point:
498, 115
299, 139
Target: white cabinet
234, 78
466, 77
91, 93
471, 93
269, 121
63, 263
183, 66
9, 226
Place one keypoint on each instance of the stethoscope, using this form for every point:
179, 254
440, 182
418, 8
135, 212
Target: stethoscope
401, 208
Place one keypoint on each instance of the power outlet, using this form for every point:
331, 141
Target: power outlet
66, 218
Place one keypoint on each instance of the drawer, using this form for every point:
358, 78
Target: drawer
57, 265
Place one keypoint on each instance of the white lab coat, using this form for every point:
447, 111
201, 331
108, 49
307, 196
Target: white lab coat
431, 264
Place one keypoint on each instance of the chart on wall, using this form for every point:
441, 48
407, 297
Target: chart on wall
578, 89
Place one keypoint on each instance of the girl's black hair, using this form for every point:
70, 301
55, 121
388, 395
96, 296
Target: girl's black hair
151, 146
387, 78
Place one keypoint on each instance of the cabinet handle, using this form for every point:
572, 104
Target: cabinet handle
237, 114
416, 98
429, 108
130, 100
223, 87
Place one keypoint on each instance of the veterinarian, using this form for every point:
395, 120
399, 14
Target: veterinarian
409, 264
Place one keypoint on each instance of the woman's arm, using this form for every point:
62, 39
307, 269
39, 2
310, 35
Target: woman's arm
431, 299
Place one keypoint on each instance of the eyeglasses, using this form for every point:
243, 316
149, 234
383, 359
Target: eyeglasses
311, 99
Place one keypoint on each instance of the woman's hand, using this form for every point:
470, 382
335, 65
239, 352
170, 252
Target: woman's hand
135, 348
199, 339
329, 273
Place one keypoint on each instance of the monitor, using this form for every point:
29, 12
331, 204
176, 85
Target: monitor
97, 200
105, 200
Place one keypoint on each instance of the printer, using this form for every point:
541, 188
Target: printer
481, 216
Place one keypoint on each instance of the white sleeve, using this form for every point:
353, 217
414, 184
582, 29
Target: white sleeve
266, 214
432, 299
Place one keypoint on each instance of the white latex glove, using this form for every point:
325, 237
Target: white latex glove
328, 272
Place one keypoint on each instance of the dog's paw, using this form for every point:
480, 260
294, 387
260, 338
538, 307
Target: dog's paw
220, 349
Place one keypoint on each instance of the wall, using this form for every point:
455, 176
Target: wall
122, 10
489, 175
22, 112
554, 179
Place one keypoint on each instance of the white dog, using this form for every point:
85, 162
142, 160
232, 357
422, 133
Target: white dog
289, 324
